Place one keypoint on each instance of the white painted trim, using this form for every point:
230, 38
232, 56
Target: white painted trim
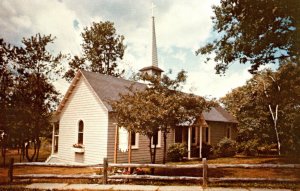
158, 140
200, 145
189, 141
72, 86
77, 132
68, 93
136, 146
89, 85
53, 132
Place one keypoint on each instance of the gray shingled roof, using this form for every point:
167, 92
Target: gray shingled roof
109, 88
219, 114
151, 67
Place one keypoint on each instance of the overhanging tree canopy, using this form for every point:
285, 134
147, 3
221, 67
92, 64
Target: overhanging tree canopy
267, 95
254, 31
161, 106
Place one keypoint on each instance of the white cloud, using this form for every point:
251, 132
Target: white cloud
45, 17
203, 80
180, 55
181, 27
185, 24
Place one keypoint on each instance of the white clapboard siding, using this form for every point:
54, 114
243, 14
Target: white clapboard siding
140, 155
83, 104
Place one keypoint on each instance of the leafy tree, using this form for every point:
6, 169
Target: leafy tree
175, 107
35, 95
136, 112
159, 107
6, 86
102, 49
267, 108
255, 32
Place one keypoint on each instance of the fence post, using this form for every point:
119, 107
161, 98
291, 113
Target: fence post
105, 166
205, 167
11, 170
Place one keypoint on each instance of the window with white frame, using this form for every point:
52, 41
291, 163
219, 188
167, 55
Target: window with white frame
80, 132
156, 139
56, 135
134, 140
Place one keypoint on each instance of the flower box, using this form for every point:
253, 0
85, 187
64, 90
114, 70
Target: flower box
78, 148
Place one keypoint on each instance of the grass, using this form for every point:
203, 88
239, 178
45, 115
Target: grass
239, 172
227, 172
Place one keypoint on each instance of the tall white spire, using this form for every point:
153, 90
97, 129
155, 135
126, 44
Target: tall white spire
154, 47
153, 69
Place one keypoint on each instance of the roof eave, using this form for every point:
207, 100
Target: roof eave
68, 93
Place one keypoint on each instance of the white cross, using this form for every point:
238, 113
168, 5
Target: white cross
152, 8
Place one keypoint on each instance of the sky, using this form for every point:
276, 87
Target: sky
182, 26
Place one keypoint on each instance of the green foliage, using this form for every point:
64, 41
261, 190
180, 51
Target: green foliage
158, 107
226, 148
102, 49
32, 96
6, 82
255, 32
176, 152
249, 148
251, 105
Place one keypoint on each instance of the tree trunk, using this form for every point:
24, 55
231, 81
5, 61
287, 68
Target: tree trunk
38, 149
165, 147
154, 154
150, 148
152, 158
275, 118
23, 150
30, 159
3, 151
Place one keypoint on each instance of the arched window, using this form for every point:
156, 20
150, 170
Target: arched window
56, 135
80, 132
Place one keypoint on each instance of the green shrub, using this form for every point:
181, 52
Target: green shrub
207, 150
249, 148
226, 148
176, 152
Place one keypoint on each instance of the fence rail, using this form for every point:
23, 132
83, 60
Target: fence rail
151, 177
203, 177
57, 176
42, 164
166, 166
282, 166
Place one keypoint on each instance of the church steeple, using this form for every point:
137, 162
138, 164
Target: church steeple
153, 69
154, 47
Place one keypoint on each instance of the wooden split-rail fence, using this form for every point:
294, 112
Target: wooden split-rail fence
202, 178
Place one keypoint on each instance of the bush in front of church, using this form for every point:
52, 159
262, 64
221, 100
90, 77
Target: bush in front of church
176, 152
226, 148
